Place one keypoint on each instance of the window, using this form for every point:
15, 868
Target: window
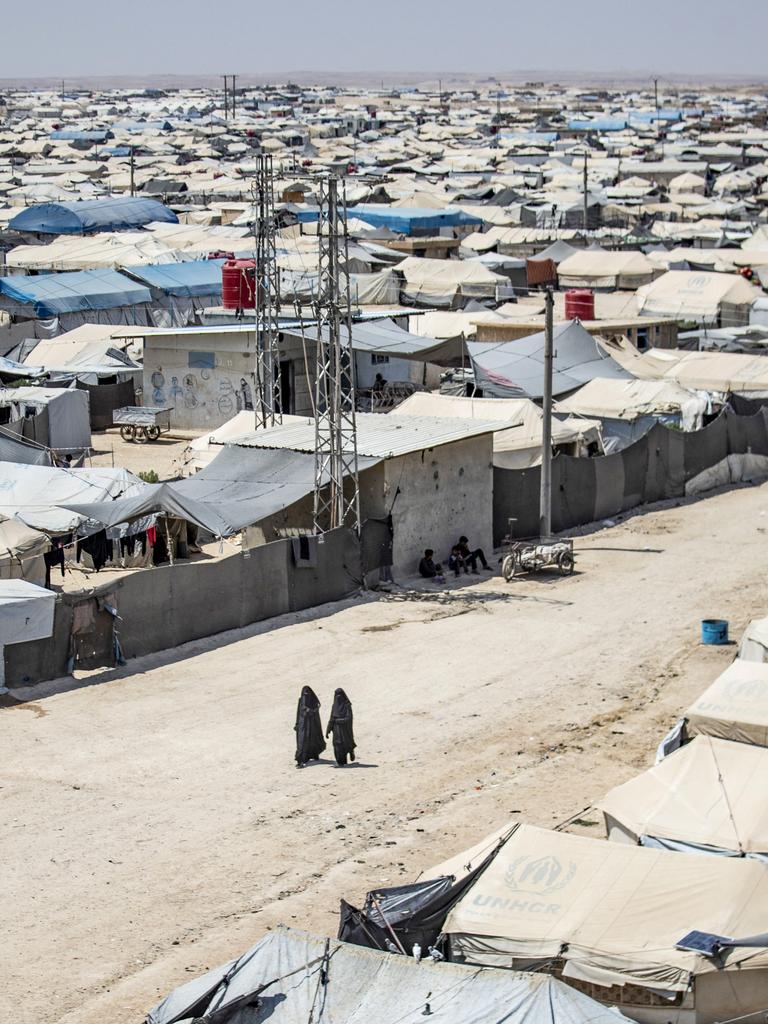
377, 359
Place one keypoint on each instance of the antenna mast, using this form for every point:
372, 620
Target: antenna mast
335, 427
267, 403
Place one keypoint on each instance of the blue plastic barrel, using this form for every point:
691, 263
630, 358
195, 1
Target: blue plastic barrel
714, 631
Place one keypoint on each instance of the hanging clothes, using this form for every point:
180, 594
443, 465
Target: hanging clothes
98, 547
340, 724
53, 558
309, 730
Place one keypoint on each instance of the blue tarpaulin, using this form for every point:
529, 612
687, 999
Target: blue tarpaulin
195, 278
405, 219
73, 135
598, 125
53, 294
117, 213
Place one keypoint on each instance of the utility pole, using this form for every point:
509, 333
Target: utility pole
335, 425
133, 167
586, 192
267, 400
226, 103
658, 120
545, 497
234, 94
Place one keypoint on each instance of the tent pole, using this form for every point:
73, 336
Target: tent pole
168, 539
545, 497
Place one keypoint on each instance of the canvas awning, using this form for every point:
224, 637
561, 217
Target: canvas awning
240, 487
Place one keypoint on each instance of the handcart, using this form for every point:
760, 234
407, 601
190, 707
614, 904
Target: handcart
535, 554
141, 423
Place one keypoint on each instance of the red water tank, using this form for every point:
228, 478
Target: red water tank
238, 284
579, 304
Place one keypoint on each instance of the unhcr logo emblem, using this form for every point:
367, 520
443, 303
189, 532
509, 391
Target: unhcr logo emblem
538, 876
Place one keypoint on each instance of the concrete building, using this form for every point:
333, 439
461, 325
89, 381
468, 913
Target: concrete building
435, 477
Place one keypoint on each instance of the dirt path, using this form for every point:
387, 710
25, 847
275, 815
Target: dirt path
154, 824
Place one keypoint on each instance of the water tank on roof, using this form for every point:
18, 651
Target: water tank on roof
579, 304
238, 284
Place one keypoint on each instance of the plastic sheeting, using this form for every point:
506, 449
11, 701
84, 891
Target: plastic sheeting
38, 495
734, 707
300, 978
189, 280
516, 368
117, 213
26, 612
240, 487
50, 295
405, 220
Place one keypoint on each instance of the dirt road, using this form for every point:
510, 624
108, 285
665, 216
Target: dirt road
153, 823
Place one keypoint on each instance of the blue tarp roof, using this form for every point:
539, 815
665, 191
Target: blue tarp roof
52, 294
114, 214
81, 136
198, 277
10, 368
599, 125
405, 218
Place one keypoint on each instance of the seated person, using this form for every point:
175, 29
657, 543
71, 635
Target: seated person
430, 569
462, 556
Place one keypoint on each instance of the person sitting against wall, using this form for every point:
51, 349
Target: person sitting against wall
463, 557
429, 569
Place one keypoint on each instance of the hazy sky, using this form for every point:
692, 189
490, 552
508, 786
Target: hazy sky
80, 37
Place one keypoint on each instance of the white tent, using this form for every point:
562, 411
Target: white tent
21, 552
290, 977
630, 399
706, 797
439, 282
612, 916
754, 642
26, 613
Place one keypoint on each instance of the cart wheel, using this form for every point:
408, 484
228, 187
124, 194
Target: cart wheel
128, 432
153, 432
141, 435
565, 563
508, 567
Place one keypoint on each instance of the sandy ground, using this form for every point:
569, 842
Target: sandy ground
164, 456
153, 821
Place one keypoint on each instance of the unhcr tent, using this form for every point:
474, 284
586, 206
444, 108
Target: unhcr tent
407, 220
754, 642
290, 977
734, 707
706, 797
117, 213
612, 917
722, 300
516, 368
589, 269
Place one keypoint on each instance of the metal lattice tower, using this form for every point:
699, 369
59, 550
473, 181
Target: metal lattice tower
335, 428
267, 405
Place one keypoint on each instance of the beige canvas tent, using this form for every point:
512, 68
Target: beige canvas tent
701, 296
610, 917
754, 642
734, 707
591, 269
440, 282
630, 399
518, 446
706, 797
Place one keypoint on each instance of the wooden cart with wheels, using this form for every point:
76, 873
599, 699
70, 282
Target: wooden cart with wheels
141, 423
535, 554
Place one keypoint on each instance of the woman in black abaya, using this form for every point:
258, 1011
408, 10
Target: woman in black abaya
340, 724
309, 729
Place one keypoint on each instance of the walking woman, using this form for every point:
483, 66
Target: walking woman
309, 729
340, 724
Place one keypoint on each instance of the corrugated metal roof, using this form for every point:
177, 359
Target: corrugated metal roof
379, 435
